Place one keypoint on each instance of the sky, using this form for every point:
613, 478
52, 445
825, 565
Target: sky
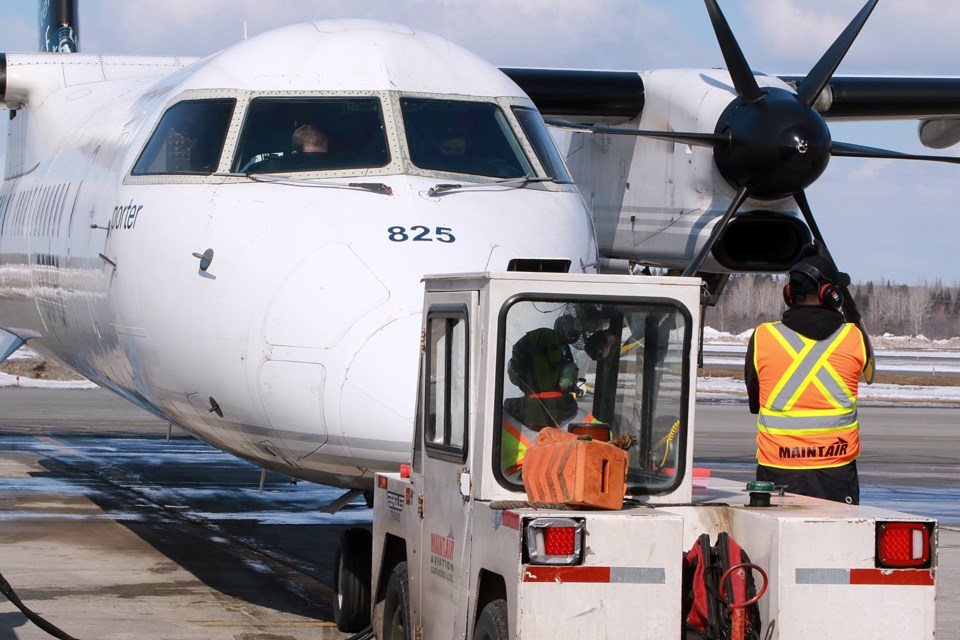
882, 219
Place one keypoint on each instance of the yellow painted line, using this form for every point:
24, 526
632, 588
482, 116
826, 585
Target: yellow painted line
275, 623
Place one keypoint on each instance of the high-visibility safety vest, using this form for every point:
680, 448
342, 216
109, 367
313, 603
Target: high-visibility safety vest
808, 397
516, 438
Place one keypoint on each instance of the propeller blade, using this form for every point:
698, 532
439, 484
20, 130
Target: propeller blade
718, 230
820, 75
740, 72
696, 139
850, 311
845, 149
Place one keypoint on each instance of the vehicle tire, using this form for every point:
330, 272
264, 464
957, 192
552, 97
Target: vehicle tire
351, 580
396, 605
492, 623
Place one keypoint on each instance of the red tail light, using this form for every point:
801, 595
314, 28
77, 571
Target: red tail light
554, 541
903, 544
560, 541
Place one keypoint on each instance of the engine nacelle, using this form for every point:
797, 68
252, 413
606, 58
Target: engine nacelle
661, 205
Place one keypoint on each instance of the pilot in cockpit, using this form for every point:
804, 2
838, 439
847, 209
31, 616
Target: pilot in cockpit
309, 146
308, 151
309, 139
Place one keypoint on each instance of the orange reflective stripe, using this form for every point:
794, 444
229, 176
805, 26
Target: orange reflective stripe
516, 433
513, 446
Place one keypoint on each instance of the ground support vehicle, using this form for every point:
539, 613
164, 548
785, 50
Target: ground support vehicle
458, 551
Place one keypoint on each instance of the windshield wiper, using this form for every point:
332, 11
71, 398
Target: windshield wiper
517, 182
282, 178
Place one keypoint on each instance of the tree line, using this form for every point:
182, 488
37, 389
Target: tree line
928, 309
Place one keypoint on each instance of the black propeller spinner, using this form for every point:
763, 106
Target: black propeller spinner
778, 145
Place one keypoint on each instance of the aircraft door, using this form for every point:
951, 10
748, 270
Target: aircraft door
445, 414
84, 253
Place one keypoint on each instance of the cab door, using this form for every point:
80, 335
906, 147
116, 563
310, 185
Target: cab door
446, 525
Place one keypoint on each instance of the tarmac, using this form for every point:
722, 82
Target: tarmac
110, 531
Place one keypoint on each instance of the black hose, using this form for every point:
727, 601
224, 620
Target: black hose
8, 591
363, 634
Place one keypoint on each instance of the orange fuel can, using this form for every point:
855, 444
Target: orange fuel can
564, 468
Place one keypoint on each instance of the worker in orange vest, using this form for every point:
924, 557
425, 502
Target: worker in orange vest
802, 376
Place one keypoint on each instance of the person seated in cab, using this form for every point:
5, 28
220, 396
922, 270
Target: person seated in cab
543, 368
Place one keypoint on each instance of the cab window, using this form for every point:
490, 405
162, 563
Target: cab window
458, 136
282, 135
446, 383
188, 140
610, 369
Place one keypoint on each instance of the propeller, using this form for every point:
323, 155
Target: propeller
770, 143
850, 311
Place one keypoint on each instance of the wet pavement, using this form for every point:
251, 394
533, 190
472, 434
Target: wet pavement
113, 532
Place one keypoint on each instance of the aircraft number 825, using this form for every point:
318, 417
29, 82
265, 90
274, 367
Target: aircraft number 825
419, 233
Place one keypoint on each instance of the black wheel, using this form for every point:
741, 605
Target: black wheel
351, 579
396, 605
492, 623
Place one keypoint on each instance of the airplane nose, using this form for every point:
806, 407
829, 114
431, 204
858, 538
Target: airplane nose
321, 298
379, 393
314, 307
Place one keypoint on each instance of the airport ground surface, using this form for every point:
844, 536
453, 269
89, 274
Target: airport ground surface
111, 532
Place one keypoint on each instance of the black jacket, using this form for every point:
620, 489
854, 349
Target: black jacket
817, 323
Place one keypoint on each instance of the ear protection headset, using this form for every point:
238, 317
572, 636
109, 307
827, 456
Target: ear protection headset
540, 362
828, 294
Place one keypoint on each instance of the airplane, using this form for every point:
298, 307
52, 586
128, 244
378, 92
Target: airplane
164, 235
235, 243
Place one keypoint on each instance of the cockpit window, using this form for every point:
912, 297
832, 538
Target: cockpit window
543, 143
462, 137
282, 135
188, 140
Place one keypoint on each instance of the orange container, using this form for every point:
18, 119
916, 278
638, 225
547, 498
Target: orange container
599, 432
563, 468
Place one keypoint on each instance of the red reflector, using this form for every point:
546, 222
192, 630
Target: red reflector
903, 544
404, 471
559, 541
553, 541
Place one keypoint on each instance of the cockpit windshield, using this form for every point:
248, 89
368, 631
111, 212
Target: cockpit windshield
546, 149
608, 369
283, 135
458, 136
188, 139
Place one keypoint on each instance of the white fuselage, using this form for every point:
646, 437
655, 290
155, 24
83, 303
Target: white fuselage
297, 346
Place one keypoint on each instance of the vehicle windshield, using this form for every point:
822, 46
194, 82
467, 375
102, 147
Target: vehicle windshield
283, 135
458, 136
611, 370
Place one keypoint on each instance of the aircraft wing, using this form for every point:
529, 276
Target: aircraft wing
614, 95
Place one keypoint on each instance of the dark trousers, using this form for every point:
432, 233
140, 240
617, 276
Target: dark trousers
840, 484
